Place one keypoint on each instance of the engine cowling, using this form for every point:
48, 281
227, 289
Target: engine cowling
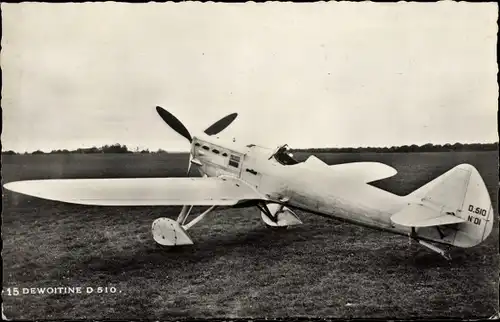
284, 215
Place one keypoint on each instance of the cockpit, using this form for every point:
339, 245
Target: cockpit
284, 156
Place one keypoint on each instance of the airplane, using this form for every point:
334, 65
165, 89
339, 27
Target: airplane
453, 209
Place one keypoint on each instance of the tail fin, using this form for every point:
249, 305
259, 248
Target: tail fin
460, 192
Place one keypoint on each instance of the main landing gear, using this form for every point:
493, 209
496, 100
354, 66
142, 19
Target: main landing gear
169, 232
277, 215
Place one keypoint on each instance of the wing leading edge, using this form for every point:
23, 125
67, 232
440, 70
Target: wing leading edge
140, 191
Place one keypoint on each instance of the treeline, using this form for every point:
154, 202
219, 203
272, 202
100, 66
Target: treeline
429, 147
115, 148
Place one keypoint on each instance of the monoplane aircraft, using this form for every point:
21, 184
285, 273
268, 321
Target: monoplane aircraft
453, 209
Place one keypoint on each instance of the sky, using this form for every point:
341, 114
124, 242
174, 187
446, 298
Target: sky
336, 74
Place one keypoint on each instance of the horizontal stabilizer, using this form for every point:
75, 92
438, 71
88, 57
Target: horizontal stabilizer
418, 215
363, 171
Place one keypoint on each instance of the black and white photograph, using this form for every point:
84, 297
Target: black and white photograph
166, 161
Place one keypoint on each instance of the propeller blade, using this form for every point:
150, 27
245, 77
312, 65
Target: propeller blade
221, 124
174, 123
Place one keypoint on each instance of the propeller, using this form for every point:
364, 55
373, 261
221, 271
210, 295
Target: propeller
178, 127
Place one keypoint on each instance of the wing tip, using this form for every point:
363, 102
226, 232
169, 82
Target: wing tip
11, 186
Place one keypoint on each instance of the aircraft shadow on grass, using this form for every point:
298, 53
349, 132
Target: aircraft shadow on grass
265, 247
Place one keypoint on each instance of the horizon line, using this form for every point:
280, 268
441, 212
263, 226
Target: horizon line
136, 149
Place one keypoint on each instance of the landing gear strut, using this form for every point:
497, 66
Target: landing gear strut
169, 232
278, 215
265, 210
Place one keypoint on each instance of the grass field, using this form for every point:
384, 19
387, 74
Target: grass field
237, 267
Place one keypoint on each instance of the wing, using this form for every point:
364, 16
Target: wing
418, 215
140, 191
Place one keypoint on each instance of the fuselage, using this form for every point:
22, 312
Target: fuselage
310, 186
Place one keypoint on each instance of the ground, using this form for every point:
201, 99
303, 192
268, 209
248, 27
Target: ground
237, 267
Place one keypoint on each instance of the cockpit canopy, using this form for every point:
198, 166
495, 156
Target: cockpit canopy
284, 156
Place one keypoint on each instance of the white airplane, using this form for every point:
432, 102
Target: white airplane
453, 209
